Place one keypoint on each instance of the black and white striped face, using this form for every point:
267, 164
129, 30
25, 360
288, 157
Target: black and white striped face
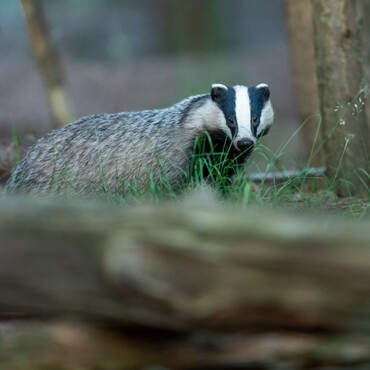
247, 111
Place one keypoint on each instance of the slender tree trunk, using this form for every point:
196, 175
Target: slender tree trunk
300, 31
340, 72
48, 61
365, 7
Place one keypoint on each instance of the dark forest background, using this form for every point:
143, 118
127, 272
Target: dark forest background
130, 55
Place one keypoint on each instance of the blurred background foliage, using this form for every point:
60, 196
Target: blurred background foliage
114, 30
128, 55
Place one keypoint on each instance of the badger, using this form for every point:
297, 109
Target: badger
113, 152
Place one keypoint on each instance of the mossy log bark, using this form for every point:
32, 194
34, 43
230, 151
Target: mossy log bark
340, 72
182, 286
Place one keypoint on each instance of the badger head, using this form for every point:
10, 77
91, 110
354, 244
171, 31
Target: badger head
247, 112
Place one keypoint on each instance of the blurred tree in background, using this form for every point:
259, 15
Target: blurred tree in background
147, 27
48, 60
338, 29
300, 32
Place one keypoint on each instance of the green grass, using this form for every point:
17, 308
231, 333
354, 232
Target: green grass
303, 192
298, 193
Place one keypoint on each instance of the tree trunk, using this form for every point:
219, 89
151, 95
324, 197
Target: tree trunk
365, 7
48, 61
300, 31
340, 72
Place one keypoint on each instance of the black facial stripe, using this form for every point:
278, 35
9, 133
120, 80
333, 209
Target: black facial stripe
227, 105
257, 99
233, 125
255, 122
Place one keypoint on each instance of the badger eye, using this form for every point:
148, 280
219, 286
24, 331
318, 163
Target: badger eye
255, 119
231, 121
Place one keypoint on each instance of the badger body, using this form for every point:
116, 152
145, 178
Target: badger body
111, 152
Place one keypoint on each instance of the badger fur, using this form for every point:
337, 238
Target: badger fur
106, 152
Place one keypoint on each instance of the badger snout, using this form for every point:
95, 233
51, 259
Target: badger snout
245, 144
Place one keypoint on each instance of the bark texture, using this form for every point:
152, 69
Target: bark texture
364, 6
340, 72
69, 346
183, 267
180, 286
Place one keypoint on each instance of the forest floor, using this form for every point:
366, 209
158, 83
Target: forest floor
290, 194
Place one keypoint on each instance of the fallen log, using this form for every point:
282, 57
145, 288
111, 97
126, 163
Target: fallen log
178, 266
213, 281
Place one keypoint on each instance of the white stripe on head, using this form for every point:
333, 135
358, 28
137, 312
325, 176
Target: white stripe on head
243, 113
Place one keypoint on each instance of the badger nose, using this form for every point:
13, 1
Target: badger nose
245, 143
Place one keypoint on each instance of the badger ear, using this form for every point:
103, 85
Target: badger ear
264, 90
218, 91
